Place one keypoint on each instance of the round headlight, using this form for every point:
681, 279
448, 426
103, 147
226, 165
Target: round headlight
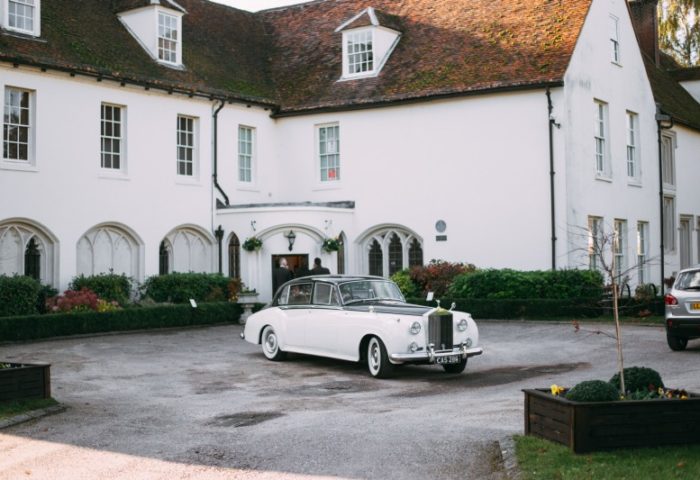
462, 325
413, 347
415, 328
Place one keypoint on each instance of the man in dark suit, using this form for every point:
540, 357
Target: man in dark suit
318, 268
281, 275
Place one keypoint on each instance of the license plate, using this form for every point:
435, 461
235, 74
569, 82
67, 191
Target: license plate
449, 359
695, 306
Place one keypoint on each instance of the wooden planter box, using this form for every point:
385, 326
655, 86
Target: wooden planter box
592, 426
24, 381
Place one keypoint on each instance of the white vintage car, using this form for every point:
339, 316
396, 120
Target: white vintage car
363, 319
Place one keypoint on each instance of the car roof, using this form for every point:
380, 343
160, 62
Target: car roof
336, 279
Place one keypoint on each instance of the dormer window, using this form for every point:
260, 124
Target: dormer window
22, 16
168, 44
368, 40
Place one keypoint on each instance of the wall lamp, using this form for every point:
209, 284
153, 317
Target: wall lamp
291, 236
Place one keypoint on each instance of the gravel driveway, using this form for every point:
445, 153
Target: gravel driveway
203, 404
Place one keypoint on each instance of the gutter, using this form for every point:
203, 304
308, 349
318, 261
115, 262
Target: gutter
552, 123
215, 152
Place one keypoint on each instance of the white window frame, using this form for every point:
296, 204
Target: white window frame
614, 40
687, 241
177, 51
332, 179
186, 141
35, 31
601, 141
245, 171
668, 160
634, 171
595, 235
620, 248
121, 138
19, 163
642, 252
670, 233
354, 35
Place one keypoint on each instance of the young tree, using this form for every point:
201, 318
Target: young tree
679, 30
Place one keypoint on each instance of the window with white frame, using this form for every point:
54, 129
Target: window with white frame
168, 38
23, 16
633, 170
329, 152
185, 145
620, 249
602, 157
668, 161
112, 137
595, 242
614, 40
246, 138
359, 52
642, 252
669, 224
17, 134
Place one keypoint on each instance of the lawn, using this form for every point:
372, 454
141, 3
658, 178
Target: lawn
10, 409
543, 460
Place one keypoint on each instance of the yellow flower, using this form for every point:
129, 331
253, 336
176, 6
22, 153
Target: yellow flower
557, 390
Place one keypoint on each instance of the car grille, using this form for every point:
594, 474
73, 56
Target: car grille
440, 330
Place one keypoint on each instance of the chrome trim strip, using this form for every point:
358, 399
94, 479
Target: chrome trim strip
432, 355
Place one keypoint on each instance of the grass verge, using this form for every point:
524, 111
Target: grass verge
540, 459
10, 409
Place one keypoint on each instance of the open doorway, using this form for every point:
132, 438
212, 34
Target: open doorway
298, 264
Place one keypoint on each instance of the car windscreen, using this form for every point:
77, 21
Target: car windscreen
688, 280
369, 290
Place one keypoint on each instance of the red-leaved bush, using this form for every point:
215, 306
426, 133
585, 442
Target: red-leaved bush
438, 275
81, 300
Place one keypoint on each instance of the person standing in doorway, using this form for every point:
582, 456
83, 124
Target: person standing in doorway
282, 274
319, 269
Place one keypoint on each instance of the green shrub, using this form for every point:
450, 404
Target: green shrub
593, 391
638, 379
20, 328
533, 308
45, 293
108, 286
19, 295
403, 280
437, 276
514, 284
180, 287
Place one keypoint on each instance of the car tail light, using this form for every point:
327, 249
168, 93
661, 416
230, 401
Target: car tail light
670, 299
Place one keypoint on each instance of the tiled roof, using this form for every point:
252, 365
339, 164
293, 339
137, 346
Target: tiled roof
292, 56
123, 5
686, 74
224, 49
673, 98
447, 47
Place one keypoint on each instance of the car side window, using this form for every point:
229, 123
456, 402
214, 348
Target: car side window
324, 294
299, 294
283, 298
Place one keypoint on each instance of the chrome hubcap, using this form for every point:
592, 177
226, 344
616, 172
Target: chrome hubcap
374, 355
271, 342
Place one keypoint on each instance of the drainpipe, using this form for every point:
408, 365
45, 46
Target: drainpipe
663, 122
552, 124
215, 149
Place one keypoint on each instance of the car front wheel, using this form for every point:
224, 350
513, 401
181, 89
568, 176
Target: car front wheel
378, 360
676, 343
456, 367
271, 346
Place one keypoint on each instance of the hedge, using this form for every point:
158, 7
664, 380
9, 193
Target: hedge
32, 327
535, 309
180, 287
108, 286
18, 295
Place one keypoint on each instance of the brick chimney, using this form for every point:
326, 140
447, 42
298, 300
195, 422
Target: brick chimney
646, 24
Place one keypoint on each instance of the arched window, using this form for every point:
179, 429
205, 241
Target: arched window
27, 249
341, 254
190, 250
163, 259
32, 260
234, 257
376, 259
109, 248
395, 255
415, 254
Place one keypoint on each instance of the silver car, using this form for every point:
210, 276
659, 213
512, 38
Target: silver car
683, 309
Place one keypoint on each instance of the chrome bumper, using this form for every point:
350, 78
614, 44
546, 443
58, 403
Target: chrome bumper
430, 355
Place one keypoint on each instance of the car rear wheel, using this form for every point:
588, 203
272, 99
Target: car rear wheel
456, 367
676, 343
377, 359
270, 345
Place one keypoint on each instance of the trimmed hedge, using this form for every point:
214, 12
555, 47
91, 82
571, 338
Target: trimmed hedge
546, 284
108, 286
180, 287
19, 295
536, 309
32, 327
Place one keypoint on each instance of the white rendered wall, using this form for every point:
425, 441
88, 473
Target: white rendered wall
693, 88
143, 23
687, 193
624, 86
